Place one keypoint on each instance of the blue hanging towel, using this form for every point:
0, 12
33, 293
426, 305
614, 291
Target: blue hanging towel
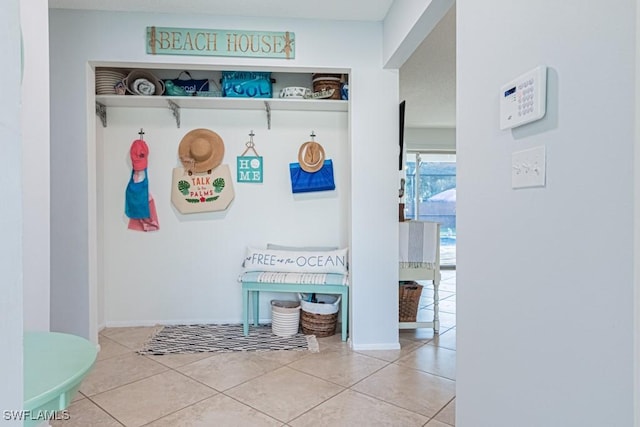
303, 181
136, 203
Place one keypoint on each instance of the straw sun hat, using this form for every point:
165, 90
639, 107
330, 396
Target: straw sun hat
311, 156
201, 150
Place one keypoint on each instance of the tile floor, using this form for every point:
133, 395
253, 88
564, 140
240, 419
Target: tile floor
414, 386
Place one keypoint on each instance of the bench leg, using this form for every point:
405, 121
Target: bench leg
256, 308
344, 319
245, 309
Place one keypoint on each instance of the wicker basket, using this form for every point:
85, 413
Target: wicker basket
320, 325
409, 300
326, 82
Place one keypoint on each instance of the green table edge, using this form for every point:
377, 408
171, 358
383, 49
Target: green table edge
54, 366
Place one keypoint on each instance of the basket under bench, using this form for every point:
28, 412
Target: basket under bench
254, 288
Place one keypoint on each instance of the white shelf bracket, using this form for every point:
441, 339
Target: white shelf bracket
176, 111
268, 109
101, 111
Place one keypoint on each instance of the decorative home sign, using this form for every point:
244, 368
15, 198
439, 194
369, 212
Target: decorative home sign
249, 167
194, 41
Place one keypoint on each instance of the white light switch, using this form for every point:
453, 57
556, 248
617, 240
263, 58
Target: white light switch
528, 168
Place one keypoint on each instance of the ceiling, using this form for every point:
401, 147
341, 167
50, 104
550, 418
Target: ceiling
427, 79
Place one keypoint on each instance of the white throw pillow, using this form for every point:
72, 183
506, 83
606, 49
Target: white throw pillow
296, 261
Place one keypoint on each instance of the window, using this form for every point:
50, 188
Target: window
432, 196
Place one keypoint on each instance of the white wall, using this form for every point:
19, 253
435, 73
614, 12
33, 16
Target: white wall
78, 37
545, 275
11, 220
188, 270
35, 133
636, 245
406, 25
430, 138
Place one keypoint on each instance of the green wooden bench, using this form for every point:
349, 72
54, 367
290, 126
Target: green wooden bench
254, 289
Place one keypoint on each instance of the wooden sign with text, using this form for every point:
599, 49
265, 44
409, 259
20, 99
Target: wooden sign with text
194, 41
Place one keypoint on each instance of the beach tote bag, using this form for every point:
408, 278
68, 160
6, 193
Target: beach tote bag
189, 84
202, 192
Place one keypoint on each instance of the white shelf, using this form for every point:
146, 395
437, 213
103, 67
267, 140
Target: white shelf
204, 102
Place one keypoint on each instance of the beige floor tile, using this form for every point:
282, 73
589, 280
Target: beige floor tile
446, 339
85, 413
78, 396
334, 347
110, 348
408, 388
284, 357
133, 337
406, 346
447, 320
226, 370
149, 399
355, 409
333, 343
339, 368
434, 360
284, 393
218, 410
423, 335
118, 370
436, 423
177, 360
448, 414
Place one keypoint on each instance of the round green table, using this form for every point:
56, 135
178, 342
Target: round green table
54, 366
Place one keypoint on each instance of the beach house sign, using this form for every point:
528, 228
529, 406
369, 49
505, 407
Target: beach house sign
203, 42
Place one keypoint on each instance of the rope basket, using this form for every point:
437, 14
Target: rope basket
409, 301
320, 325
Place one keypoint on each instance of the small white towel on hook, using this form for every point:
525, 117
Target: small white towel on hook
418, 243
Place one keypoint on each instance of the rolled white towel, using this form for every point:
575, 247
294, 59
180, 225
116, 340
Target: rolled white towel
144, 87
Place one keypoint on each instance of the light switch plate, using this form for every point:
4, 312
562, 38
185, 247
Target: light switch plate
528, 168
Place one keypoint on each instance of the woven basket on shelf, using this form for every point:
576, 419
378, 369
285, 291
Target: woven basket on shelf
320, 325
409, 301
326, 82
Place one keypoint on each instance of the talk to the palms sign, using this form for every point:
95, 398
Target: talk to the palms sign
195, 41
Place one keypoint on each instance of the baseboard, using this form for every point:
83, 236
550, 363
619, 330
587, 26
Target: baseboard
134, 323
377, 346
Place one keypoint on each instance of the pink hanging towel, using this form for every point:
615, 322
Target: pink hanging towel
146, 224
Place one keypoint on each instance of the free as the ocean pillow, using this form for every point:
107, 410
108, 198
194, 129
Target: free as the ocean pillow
296, 261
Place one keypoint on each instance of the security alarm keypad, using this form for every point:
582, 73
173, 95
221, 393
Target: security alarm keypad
523, 100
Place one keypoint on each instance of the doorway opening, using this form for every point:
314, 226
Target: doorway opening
431, 196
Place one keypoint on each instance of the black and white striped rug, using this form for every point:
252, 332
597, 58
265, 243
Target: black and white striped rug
176, 339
